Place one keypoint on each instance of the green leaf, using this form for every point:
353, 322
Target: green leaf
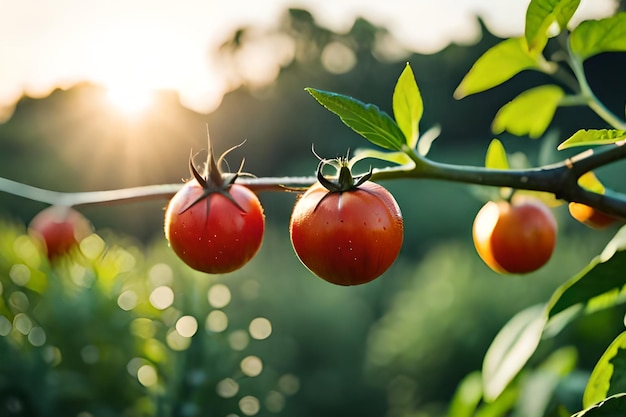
427, 138
590, 182
511, 349
530, 113
590, 137
541, 14
408, 106
597, 286
497, 65
613, 406
502, 406
365, 119
592, 37
496, 156
609, 374
467, 396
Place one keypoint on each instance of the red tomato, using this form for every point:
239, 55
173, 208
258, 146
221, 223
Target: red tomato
59, 229
348, 237
214, 235
515, 238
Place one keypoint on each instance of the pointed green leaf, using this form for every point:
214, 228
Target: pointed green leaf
541, 14
609, 374
496, 156
597, 286
365, 119
497, 65
614, 406
590, 137
511, 349
399, 158
530, 113
592, 37
408, 106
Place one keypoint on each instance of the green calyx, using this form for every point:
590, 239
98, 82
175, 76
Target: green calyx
214, 181
344, 181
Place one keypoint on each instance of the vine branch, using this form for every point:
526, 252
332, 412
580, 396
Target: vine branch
560, 179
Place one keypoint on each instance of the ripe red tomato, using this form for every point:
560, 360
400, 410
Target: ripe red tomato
214, 235
515, 238
59, 229
591, 217
348, 237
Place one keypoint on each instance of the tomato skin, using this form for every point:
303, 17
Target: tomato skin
222, 242
590, 217
349, 237
59, 229
515, 238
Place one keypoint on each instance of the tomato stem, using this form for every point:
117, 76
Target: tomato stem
345, 180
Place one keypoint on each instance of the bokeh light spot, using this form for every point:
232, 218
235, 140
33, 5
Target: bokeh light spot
22, 323
219, 296
227, 388
134, 364
260, 328
187, 326
92, 246
238, 340
80, 277
147, 375
338, 58
52, 355
251, 366
5, 326
19, 301
289, 384
275, 401
37, 336
19, 274
162, 297
26, 249
127, 300
161, 274
176, 341
249, 405
216, 321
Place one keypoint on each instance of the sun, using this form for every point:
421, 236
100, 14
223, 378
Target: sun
128, 100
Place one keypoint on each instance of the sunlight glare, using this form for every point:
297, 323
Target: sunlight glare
130, 101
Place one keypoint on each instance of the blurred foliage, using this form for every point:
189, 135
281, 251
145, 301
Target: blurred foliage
110, 330
96, 334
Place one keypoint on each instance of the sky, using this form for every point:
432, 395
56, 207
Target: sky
133, 47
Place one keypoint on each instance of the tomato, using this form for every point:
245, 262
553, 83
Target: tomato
216, 235
515, 238
59, 229
347, 237
590, 216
